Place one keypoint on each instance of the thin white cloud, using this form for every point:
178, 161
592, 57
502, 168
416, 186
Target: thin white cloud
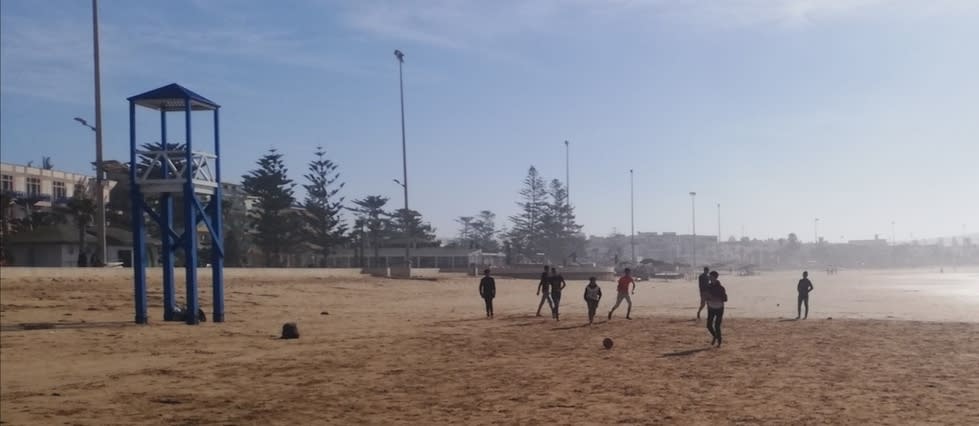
468, 23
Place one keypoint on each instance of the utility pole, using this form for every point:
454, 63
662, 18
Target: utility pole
567, 170
693, 221
404, 161
718, 225
99, 179
632, 216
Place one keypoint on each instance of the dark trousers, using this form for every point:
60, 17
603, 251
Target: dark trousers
592, 307
556, 300
489, 305
803, 300
714, 318
545, 297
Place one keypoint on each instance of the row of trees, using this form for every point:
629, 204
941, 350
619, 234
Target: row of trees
545, 224
281, 225
269, 217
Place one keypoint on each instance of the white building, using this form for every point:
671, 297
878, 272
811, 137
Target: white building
48, 186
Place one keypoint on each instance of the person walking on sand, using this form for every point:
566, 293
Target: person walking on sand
487, 290
702, 282
557, 285
805, 286
593, 294
716, 297
623, 290
544, 290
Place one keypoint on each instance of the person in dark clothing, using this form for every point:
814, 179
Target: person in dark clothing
557, 284
487, 290
593, 294
702, 281
716, 297
544, 290
805, 286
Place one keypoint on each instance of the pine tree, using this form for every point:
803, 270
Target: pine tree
526, 232
484, 231
465, 233
277, 228
325, 227
370, 210
401, 221
560, 232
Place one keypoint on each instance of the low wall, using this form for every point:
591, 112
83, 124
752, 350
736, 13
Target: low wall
570, 273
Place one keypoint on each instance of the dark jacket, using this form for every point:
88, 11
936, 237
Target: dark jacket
487, 287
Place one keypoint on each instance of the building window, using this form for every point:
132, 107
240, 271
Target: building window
33, 186
8, 183
59, 191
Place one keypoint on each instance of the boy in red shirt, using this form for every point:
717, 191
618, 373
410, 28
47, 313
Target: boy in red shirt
623, 289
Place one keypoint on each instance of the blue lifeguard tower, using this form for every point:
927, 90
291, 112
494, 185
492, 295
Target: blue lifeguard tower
166, 172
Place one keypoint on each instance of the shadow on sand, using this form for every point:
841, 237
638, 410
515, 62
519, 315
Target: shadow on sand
788, 320
684, 353
64, 325
572, 327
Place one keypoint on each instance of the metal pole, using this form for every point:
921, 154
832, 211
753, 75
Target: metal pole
567, 170
404, 160
99, 181
893, 235
632, 216
815, 231
718, 225
693, 221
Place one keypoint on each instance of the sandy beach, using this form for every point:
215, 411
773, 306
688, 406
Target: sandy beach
902, 347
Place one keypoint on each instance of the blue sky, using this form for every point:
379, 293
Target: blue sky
858, 112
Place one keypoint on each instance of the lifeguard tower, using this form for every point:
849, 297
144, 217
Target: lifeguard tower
165, 171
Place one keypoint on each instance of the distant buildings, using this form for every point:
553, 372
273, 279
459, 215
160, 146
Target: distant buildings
47, 186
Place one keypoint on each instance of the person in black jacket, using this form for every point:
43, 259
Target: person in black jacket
804, 287
487, 290
716, 297
702, 282
544, 287
557, 285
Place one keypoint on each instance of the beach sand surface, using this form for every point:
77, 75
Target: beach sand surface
902, 347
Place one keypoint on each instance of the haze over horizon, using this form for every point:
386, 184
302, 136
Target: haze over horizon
858, 112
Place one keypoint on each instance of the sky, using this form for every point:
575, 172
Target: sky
857, 112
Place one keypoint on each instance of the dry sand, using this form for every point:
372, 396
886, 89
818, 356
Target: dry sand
420, 352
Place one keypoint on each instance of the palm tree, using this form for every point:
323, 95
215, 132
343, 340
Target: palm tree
81, 209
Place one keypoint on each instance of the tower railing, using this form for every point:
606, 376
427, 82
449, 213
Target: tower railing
173, 162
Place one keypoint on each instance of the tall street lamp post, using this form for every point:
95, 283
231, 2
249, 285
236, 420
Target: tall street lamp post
404, 159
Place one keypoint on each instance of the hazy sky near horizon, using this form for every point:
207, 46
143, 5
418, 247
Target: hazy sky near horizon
858, 112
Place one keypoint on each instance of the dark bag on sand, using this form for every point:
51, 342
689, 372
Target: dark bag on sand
290, 331
180, 314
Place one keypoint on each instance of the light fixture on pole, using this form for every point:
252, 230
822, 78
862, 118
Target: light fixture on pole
404, 158
632, 216
693, 221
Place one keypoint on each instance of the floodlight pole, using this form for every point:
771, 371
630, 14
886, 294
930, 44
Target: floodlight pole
632, 216
404, 160
99, 180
